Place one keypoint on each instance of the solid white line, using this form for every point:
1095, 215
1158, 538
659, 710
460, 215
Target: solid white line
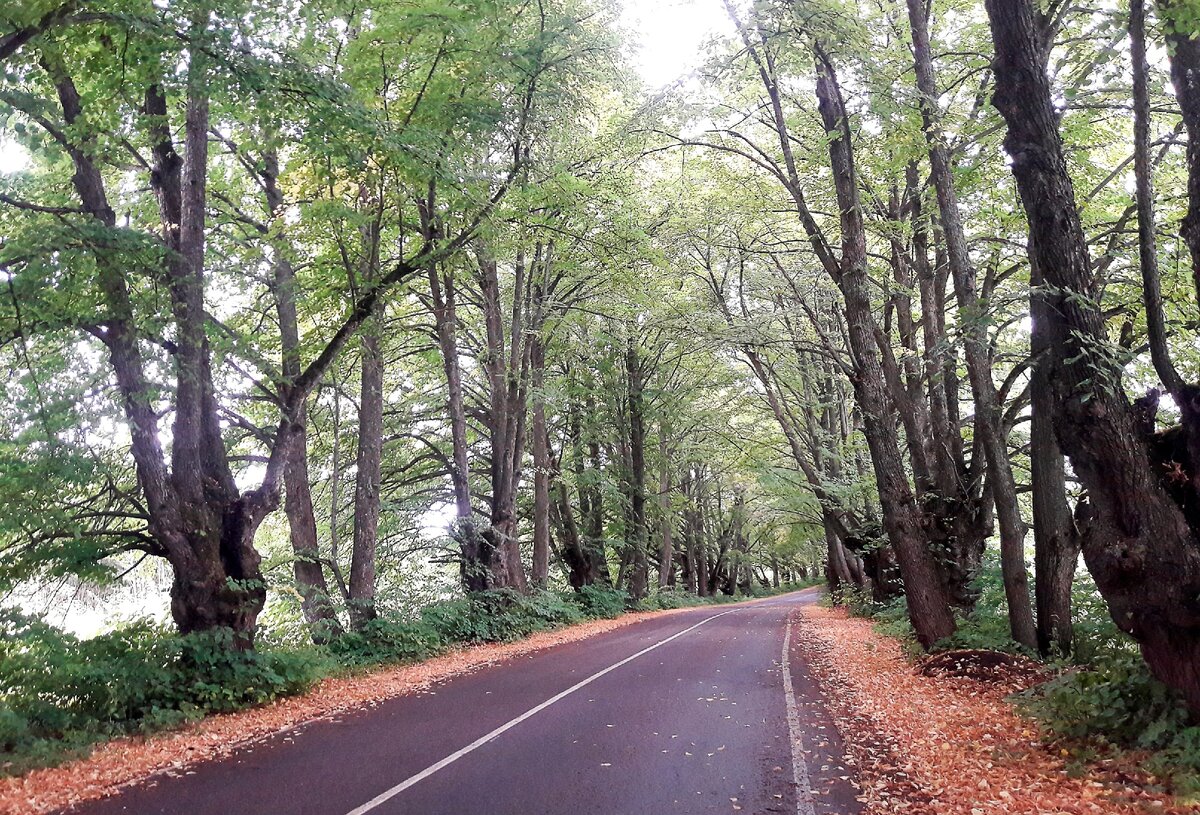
482, 740
804, 800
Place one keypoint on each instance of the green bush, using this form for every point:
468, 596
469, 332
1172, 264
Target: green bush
60, 694
601, 601
14, 730
55, 688
671, 598
859, 602
382, 641
499, 616
1097, 638
1116, 700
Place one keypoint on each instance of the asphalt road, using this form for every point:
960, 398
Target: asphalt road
686, 713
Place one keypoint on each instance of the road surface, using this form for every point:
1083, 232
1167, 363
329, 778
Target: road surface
703, 711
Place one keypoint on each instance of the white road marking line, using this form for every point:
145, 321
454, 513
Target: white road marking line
482, 740
804, 801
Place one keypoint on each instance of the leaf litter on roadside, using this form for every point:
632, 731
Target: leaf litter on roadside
933, 743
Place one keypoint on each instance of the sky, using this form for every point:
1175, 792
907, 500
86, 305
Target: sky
669, 35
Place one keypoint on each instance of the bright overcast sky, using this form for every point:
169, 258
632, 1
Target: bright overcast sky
670, 34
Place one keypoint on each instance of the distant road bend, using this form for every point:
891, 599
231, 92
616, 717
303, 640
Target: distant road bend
708, 710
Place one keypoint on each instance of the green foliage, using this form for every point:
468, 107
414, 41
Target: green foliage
601, 602
1097, 638
58, 692
670, 598
986, 627
859, 602
384, 641
1116, 700
1114, 703
499, 616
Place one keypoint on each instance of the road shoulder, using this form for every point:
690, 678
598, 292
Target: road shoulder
944, 744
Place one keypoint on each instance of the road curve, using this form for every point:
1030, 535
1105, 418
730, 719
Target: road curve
687, 713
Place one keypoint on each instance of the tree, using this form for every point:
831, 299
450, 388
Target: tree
1138, 540
196, 514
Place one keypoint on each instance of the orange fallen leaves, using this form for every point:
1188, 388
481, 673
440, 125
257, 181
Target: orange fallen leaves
945, 744
127, 760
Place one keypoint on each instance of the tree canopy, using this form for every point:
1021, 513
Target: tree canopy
336, 309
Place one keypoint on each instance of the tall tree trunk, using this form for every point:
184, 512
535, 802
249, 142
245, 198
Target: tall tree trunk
928, 604
471, 544
688, 487
1055, 541
541, 467
591, 511
635, 372
837, 570
367, 481
369, 460
335, 496
1138, 543
506, 369
988, 425
666, 551
315, 602
1178, 18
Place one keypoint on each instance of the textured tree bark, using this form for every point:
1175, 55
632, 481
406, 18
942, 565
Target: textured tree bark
688, 487
335, 496
635, 374
579, 572
1184, 53
594, 519
507, 369
837, 570
666, 550
928, 603
369, 456
315, 602
581, 568
988, 426
594, 560
1156, 329
541, 467
198, 518
1139, 545
471, 544
367, 480
1055, 540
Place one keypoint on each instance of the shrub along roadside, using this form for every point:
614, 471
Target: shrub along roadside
60, 695
1103, 702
